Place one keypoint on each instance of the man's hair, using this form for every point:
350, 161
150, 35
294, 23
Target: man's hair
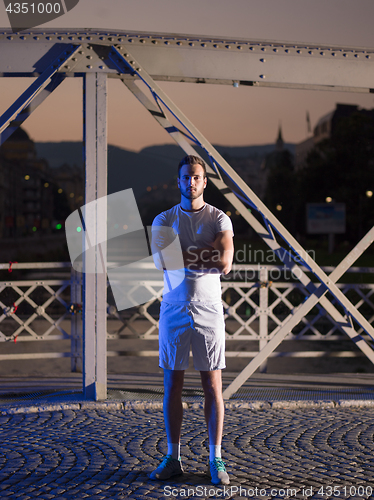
192, 160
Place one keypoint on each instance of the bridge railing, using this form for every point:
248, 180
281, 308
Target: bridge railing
46, 306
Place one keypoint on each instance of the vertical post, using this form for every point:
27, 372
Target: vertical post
76, 323
264, 302
94, 283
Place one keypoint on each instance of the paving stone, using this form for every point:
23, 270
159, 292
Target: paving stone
97, 452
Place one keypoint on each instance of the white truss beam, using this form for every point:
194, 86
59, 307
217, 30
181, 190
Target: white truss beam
201, 59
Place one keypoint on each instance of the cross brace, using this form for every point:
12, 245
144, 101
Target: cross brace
40, 89
31, 105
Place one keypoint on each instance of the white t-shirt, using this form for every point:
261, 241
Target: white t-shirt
198, 230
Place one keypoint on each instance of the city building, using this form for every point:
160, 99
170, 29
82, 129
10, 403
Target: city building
30, 191
26, 200
324, 129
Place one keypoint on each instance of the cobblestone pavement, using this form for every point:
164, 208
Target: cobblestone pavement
272, 453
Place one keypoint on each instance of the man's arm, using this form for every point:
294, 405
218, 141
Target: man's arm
215, 259
166, 255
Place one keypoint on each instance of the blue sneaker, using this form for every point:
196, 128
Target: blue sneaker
217, 472
168, 468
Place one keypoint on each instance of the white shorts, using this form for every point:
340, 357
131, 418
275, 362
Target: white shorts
198, 325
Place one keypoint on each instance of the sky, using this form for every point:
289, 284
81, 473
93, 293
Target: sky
224, 114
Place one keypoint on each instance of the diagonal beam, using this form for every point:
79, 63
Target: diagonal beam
21, 104
161, 118
26, 111
126, 63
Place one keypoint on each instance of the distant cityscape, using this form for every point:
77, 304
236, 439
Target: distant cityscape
41, 184
34, 198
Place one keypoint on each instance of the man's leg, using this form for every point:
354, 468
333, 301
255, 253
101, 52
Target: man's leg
173, 415
214, 413
213, 406
173, 409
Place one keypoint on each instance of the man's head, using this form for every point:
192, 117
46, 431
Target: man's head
192, 178
191, 160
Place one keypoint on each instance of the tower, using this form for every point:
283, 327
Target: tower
279, 143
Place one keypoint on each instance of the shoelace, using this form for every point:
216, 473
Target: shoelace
167, 462
219, 464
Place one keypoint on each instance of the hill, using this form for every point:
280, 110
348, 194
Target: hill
150, 166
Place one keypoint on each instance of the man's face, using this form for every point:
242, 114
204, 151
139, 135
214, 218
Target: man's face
191, 181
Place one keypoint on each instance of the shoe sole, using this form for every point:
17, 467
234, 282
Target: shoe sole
165, 478
216, 484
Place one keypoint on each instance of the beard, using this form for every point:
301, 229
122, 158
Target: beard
192, 193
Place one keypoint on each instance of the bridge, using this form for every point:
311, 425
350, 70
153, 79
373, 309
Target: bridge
140, 60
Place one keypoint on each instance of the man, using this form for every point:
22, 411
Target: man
192, 312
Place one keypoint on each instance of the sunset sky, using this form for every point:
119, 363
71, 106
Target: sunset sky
224, 114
